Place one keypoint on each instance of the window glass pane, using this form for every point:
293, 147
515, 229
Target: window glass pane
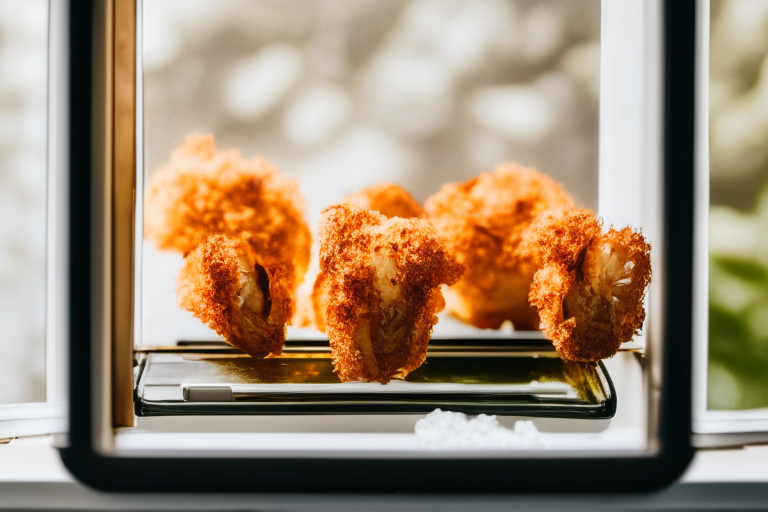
23, 131
343, 95
738, 298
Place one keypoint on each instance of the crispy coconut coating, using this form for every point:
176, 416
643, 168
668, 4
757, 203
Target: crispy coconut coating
202, 192
388, 199
380, 283
590, 288
225, 284
486, 221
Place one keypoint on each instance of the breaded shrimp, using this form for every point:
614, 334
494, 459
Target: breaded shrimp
388, 199
225, 284
485, 221
590, 287
202, 192
380, 284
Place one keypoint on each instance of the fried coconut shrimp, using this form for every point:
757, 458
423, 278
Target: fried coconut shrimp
225, 284
388, 199
590, 288
381, 291
486, 221
202, 192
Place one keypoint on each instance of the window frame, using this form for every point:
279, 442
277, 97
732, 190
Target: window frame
88, 433
711, 428
49, 417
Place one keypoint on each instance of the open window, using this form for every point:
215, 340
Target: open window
731, 367
32, 398
172, 102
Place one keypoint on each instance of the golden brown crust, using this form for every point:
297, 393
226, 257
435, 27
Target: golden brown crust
223, 283
388, 199
590, 288
486, 222
530, 256
202, 191
379, 291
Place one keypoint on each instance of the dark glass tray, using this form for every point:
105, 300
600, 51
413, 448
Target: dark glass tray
470, 376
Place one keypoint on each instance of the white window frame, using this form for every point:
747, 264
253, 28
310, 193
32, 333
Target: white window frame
37, 418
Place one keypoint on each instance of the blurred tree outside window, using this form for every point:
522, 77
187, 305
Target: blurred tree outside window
738, 232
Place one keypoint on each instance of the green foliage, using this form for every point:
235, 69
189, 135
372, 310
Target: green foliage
738, 328
743, 268
738, 227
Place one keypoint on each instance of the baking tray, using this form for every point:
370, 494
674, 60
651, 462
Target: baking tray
470, 376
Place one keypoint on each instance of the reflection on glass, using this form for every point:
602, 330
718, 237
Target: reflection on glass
510, 383
23, 101
738, 296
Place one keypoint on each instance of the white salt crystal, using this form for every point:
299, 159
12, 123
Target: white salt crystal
446, 429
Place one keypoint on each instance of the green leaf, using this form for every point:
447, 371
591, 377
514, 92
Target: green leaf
743, 268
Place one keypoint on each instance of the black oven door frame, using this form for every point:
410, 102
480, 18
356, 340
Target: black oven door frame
410, 475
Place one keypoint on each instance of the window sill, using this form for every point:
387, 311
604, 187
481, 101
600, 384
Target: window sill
33, 476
